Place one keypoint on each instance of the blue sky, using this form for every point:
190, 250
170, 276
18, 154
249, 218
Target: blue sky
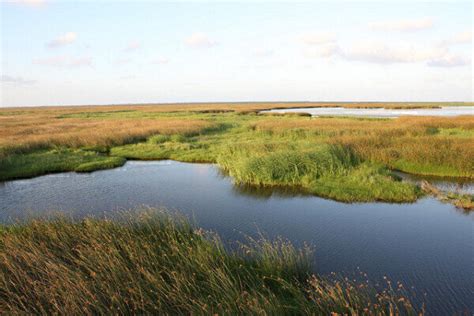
104, 52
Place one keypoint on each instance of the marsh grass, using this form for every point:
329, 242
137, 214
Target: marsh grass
329, 171
30, 132
348, 159
155, 263
418, 145
55, 160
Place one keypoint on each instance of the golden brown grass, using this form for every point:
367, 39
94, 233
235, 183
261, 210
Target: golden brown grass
30, 130
413, 144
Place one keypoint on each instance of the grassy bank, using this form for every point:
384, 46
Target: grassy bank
56, 160
347, 159
156, 263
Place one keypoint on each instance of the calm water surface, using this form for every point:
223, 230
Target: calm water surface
428, 245
339, 111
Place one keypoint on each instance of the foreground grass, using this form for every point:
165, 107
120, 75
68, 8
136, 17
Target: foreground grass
347, 159
156, 263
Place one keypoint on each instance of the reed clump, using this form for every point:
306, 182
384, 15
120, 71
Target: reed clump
155, 263
331, 171
419, 145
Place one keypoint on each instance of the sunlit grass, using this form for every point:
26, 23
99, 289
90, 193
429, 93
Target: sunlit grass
55, 160
254, 149
150, 263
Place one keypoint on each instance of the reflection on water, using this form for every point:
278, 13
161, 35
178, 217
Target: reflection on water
445, 184
427, 244
266, 192
380, 112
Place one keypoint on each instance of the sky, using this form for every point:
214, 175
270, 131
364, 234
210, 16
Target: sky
115, 52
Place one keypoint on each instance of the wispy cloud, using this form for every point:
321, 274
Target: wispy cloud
380, 53
62, 40
318, 38
30, 3
132, 46
16, 80
322, 51
123, 61
377, 52
459, 38
160, 60
403, 25
199, 40
263, 52
127, 77
64, 61
450, 61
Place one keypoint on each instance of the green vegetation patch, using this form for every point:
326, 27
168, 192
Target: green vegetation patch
456, 132
151, 263
327, 170
55, 160
429, 169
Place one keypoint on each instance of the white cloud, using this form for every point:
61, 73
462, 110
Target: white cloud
160, 60
123, 61
31, 3
62, 40
381, 53
16, 80
403, 25
127, 77
263, 52
318, 38
322, 51
64, 61
449, 61
459, 38
199, 40
132, 46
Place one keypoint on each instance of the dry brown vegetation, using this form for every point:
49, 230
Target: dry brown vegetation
404, 143
32, 130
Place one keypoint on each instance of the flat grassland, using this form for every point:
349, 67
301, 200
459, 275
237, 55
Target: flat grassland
343, 158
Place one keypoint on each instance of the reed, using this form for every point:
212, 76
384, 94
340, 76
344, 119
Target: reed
331, 171
152, 262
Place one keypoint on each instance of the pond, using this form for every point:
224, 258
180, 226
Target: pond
427, 244
379, 112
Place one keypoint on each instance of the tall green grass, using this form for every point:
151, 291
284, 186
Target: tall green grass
55, 160
326, 170
154, 263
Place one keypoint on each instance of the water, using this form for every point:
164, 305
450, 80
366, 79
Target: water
380, 112
460, 186
428, 245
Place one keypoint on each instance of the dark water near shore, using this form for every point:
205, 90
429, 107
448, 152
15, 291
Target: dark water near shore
428, 245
